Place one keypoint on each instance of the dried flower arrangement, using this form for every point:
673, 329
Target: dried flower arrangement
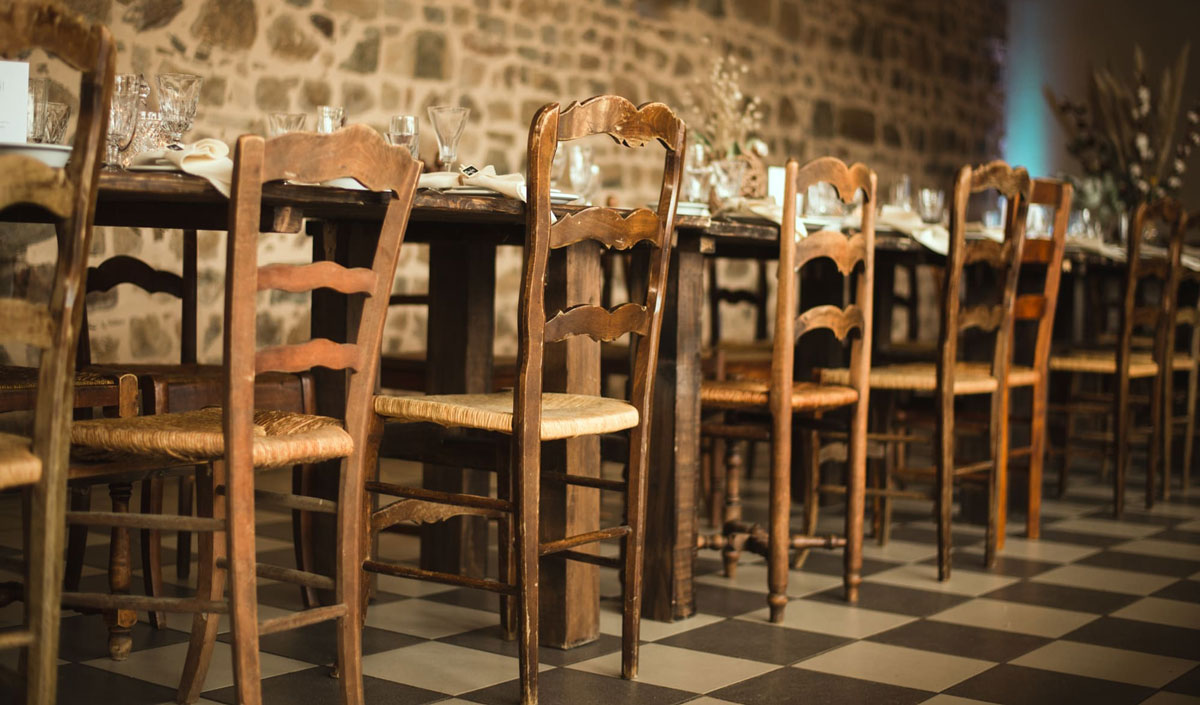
1124, 136
721, 116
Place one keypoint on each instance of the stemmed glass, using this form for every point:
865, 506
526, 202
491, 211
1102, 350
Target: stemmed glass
448, 123
283, 123
178, 94
404, 131
330, 118
581, 171
122, 116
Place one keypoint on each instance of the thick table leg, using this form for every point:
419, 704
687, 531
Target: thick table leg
675, 442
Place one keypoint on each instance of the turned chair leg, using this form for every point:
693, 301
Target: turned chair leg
302, 533
507, 549
120, 576
183, 539
151, 544
635, 517
779, 531
526, 520
811, 454
77, 535
210, 585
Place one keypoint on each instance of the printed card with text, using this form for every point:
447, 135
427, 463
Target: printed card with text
14, 100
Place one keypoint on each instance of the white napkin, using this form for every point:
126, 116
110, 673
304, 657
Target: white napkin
765, 208
511, 185
207, 158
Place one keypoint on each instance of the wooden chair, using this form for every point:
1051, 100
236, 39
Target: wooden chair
1183, 413
953, 376
236, 438
527, 416
1149, 299
38, 463
766, 407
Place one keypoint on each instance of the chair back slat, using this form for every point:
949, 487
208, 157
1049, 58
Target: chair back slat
25, 180
607, 226
1029, 307
350, 150
597, 322
987, 318
997, 254
846, 252
827, 316
26, 322
124, 269
318, 275
300, 357
1044, 254
616, 117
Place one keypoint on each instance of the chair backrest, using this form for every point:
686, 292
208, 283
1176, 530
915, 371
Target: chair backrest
850, 253
68, 195
755, 297
1187, 310
356, 151
1045, 254
1004, 259
629, 126
1141, 309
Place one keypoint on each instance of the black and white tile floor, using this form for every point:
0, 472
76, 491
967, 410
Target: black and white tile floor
1097, 611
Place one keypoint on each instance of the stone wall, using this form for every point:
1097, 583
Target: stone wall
912, 86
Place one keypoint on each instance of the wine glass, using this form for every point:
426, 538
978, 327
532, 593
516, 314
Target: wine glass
283, 123
57, 116
931, 204
178, 94
727, 178
448, 123
122, 116
330, 118
697, 174
902, 193
404, 131
581, 172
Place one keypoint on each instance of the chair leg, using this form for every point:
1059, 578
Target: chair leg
856, 480
243, 593
779, 531
44, 537
635, 544
77, 535
350, 579
302, 533
526, 520
210, 585
507, 550
1120, 429
1037, 459
944, 451
120, 575
734, 471
812, 495
151, 543
183, 539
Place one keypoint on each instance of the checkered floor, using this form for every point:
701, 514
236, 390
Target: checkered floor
1097, 611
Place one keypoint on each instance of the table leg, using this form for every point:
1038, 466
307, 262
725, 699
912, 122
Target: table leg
462, 290
675, 442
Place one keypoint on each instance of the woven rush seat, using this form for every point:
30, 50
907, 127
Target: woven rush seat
18, 465
13, 377
750, 393
563, 415
281, 438
969, 377
1141, 364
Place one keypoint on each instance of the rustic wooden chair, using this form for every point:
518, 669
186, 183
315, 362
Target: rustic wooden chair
1149, 299
527, 416
38, 463
236, 439
1181, 406
952, 376
765, 408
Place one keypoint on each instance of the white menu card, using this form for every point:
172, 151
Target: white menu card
14, 100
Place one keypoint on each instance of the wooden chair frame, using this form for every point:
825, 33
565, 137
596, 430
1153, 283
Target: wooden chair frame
69, 195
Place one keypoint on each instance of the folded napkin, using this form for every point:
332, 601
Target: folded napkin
207, 158
511, 185
1108, 250
765, 208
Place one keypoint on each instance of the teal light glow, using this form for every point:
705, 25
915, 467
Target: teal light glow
1026, 119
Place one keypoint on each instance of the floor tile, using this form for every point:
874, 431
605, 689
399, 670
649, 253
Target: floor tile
1161, 639
1188, 683
1011, 566
317, 685
961, 640
705, 700
408, 587
830, 563
1015, 617
757, 642
490, 639
1121, 665
653, 630
1162, 697
899, 551
1113, 580
567, 685
943, 699
431, 620
793, 685
891, 598
440, 667
1081, 538
79, 685
1063, 597
1007, 684
1160, 611
924, 577
164, 664
1160, 548
727, 602
926, 533
896, 665
754, 578
1141, 563
1193, 525
1184, 591
317, 643
1104, 527
1042, 550
682, 669
85, 637
838, 620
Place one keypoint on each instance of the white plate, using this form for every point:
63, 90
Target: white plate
153, 167
52, 155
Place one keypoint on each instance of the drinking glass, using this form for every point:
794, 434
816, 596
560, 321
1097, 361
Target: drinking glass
822, 199
727, 178
581, 172
931, 204
57, 116
330, 118
448, 123
35, 114
178, 94
404, 131
149, 135
697, 174
902, 193
283, 123
122, 116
